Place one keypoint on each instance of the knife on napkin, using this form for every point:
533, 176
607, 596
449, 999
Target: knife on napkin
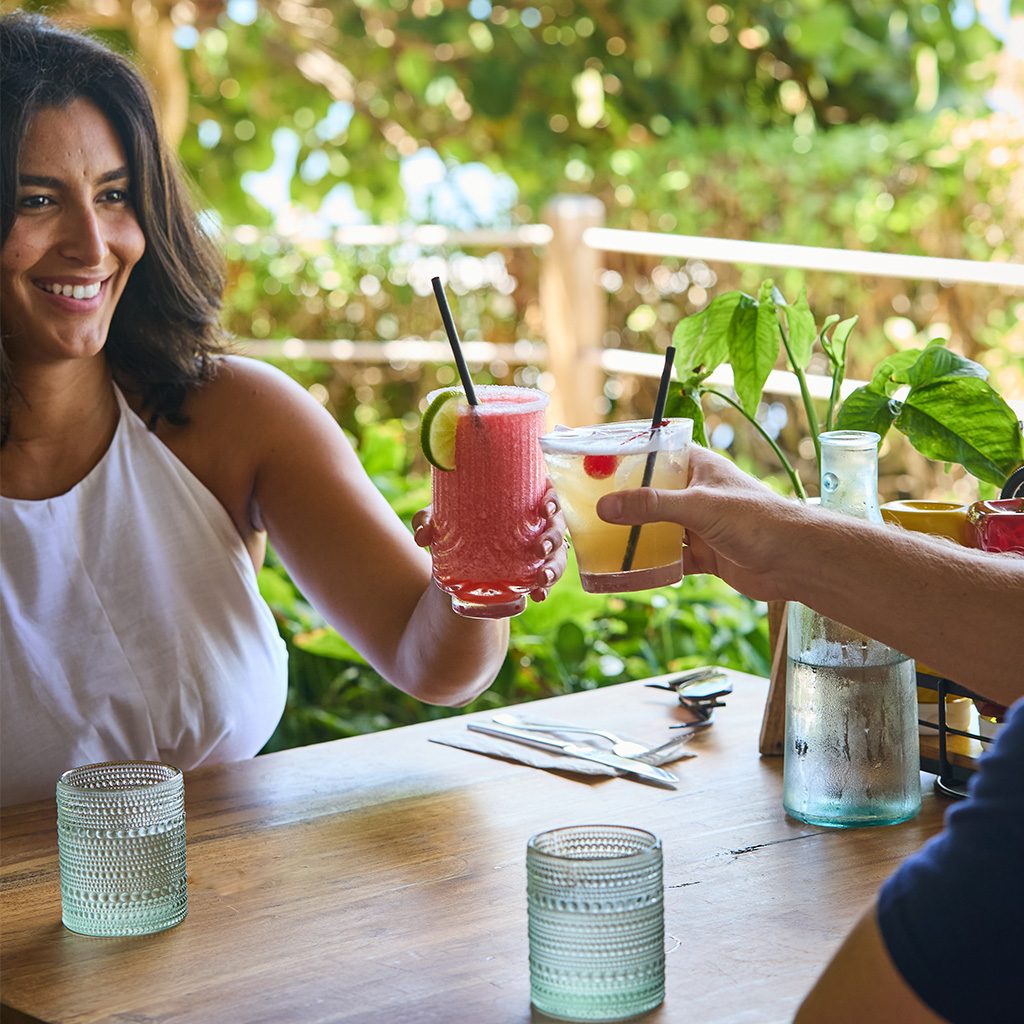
588, 753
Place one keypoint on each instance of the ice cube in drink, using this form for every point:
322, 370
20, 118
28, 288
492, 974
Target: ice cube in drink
585, 463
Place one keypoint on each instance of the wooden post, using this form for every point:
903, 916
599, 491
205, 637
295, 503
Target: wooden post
574, 309
773, 724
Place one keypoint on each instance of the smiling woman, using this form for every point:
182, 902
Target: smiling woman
161, 322
143, 472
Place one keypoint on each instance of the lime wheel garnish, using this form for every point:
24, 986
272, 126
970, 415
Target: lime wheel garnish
437, 431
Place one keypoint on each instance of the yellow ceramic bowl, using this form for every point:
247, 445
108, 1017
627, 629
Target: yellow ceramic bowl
939, 518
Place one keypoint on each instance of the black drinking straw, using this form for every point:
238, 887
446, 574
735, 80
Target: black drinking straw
659, 412
453, 338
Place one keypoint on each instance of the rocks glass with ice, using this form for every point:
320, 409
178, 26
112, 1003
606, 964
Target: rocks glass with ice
585, 463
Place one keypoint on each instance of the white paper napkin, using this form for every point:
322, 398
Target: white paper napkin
480, 743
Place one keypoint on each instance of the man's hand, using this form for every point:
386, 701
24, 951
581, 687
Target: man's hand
735, 526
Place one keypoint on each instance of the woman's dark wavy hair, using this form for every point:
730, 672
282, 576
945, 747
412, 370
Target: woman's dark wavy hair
166, 326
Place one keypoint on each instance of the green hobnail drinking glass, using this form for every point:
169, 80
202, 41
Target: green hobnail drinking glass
121, 846
595, 899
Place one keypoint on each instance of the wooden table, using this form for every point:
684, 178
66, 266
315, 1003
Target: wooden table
382, 879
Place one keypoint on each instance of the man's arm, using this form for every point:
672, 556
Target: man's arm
862, 984
955, 608
960, 610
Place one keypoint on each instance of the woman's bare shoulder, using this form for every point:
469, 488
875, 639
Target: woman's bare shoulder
250, 421
240, 379
251, 401
246, 410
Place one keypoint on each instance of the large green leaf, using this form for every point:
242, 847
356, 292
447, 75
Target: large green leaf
962, 420
702, 340
685, 403
891, 373
753, 346
867, 409
802, 332
937, 363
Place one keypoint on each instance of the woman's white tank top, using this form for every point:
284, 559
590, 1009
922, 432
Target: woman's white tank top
131, 624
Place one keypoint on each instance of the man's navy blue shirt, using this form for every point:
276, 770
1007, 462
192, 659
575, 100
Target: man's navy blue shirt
952, 916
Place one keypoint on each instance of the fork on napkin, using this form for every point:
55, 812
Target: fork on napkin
492, 746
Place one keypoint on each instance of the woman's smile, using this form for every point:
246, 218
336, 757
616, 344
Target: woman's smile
73, 295
71, 289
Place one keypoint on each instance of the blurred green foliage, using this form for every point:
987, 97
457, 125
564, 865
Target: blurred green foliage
572, 641
548, 92
925, 186
859, 125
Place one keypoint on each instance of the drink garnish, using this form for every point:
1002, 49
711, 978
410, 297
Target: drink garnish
437, 431
600, 467
646, 432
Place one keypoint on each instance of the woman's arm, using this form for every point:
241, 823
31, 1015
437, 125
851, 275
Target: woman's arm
955, 608
342, 543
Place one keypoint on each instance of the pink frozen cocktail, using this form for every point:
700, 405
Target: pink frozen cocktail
488, 483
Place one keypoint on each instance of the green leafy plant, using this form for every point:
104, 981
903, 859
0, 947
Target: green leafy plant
940, 400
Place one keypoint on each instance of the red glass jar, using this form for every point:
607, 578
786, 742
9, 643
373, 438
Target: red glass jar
998, 525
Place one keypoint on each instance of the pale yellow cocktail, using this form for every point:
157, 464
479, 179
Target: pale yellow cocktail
585, 463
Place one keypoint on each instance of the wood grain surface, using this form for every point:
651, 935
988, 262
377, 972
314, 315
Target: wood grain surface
382, 879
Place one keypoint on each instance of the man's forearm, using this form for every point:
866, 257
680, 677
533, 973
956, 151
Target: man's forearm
938, 603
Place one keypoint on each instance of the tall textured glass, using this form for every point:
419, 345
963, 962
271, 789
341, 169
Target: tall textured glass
487, 512
851, 748
121, 847
595, 898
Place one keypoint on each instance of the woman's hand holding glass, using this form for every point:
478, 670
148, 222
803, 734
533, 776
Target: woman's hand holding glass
550, 543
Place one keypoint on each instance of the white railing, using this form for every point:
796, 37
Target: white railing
402, 351
574, 304
808, 257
